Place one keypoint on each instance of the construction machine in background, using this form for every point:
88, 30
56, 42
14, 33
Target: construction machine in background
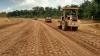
48, 19
69, 20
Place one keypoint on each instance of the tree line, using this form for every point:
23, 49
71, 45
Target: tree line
36, 12
88, 10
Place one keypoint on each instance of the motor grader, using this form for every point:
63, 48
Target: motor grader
48, 20
69, 20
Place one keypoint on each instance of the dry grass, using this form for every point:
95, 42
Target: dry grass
4, 22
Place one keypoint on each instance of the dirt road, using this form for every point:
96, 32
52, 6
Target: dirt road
35, 38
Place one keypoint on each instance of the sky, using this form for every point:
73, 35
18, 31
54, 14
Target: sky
11, 5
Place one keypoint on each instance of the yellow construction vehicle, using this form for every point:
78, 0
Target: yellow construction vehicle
48, 20
69, 21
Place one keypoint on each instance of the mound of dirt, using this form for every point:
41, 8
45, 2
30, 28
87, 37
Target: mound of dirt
97, 26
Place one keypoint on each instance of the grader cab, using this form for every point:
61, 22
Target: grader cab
69, 21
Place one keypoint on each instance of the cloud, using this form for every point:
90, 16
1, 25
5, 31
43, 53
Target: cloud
28, 4
6, 10
24, 4
45, 3
20, 5
77, 2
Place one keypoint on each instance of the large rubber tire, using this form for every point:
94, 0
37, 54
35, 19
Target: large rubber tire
64, 26
68, 28
60, 27
49, 21
74, 28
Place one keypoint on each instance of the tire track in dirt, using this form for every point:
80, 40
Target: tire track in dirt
44, 48
8, 30
12, 39
20, 48
67, 37
11, 31
26, 44
57, 48
33, 40
38, 39
91, 42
